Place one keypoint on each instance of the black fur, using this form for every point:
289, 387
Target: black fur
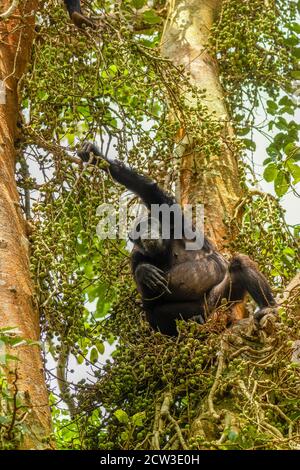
176, 283
74, 10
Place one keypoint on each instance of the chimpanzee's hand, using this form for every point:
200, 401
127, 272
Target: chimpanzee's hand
152, 277
81, 21
87, 149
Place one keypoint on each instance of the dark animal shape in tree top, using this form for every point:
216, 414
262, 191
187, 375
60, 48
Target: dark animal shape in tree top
74, 9
176, 282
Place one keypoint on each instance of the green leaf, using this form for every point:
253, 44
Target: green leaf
80, 359
138, 418
151, 17
100, 346
249, 144
270, 172
274, 151
121, 416
281, 184
44, 96
94, 355
285, 101
113, 70
281, 123
289, 148
238, 117
124, 436
138, 3
102, 307
71, 139
292, 40
111, 339
296, 74
292, 150
294, 170
96, 292
296, 52
288, 251
272, 107
295, 27
244, 131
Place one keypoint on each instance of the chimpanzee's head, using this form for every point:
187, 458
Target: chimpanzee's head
146, 234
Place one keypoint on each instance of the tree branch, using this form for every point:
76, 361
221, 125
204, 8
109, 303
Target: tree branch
10, 11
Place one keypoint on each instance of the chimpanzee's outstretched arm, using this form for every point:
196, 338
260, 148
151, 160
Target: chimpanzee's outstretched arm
147, 189
74, 9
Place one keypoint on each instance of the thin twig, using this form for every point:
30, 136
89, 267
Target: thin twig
10, 10
216, 382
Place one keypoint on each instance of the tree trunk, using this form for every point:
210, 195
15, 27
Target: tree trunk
17, 308
184, 41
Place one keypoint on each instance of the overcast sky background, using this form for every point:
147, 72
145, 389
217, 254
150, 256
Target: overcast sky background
289, 201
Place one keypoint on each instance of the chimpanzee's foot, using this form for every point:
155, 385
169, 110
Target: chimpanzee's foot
198, 319
265, 311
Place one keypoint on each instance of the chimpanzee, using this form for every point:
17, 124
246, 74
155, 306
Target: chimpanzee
177, 282
74, 9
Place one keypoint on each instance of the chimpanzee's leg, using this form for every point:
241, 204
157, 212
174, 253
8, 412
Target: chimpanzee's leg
245, 276
219, 292
163, 317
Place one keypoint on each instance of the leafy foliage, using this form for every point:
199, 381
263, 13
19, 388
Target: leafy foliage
257, 46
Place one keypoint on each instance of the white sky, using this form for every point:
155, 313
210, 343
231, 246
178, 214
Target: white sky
289, 201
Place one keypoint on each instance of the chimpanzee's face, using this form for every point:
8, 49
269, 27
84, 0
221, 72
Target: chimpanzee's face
146, 234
